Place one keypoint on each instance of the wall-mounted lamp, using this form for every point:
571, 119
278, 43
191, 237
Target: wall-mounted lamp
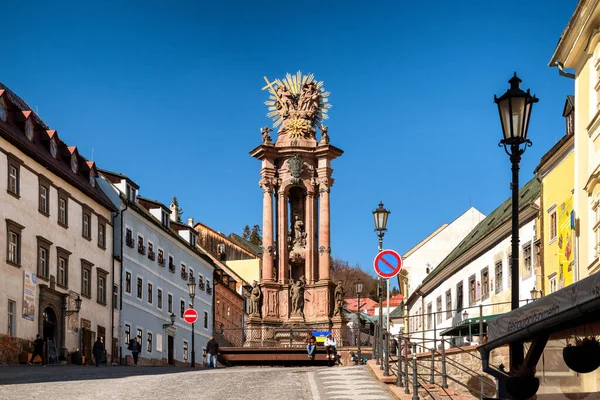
172, 322
77, 307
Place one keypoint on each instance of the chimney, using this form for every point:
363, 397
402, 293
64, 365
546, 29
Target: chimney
191, 222
173, 212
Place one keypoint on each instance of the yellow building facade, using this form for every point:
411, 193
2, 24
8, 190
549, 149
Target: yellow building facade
579, 49
556, 218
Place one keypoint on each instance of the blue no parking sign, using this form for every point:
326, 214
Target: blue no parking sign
387, 263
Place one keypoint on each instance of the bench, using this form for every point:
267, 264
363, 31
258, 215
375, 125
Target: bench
271, 356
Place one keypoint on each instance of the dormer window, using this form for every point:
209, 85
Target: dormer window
92, 178
29, 129
193, 239
165, 219
53, 147
3, 110
130, 193
74, 163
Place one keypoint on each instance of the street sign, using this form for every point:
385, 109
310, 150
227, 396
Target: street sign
387, 263
190, 315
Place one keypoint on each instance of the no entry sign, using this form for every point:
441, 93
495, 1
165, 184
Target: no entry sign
190, 315
387, 263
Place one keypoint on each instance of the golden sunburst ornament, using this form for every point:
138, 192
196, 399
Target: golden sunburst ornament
297, 104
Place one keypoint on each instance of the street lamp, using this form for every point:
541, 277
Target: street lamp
465, 316
535, 294
358, 286
172, 321
381, 216
514, 108
77, 307
192, 290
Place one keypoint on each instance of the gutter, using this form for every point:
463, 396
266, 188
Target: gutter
561, 70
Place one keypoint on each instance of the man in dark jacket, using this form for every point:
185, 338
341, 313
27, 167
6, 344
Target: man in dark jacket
212, 349
136, 349
98, 351
38, 349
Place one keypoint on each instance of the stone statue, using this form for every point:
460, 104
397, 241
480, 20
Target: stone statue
266, 138
297, 234
297, 293
324, 135
339, 299
255, 295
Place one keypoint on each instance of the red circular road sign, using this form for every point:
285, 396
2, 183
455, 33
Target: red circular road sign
190, 315
387, 263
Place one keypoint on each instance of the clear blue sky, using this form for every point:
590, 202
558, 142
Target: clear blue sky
169, 94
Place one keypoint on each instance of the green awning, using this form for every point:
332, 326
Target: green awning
468, 327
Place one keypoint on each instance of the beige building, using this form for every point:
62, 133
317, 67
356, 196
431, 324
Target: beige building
56, 240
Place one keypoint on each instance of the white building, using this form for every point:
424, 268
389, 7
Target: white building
56, 240
159, 258
477, 272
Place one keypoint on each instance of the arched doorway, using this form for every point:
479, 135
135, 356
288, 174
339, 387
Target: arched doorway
50, 324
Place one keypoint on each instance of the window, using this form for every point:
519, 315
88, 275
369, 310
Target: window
159, 298
498, 278
86, 278
14, 171
62, 269
185, 350
149, 342
128, 237
151, 254
141, 247
171, 264
208, 288
127, 333
429, 316
149, 293
12, 308
553, 224
200, 282
553, 284
419, 319
459, 296
115, 297
228, 313
140, 335
438, 309
102, 286
44, 189
101, 234
170, 303
128, 282
43, 270
472, 290
485, 279
182, 306
165, 219
3, 110
139, 288
159, 342
87, 223
527, 270
63, 208
191, 274
205, 320
13, 232
448, 304
183, 273
161, 257
509, 269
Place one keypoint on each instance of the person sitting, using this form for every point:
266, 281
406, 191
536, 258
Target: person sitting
311, 347
330, 346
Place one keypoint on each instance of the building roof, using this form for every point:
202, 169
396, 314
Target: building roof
527, 194
38, 149
245, 244
569, 105
366, 304
397, 313
395, 301
116, 177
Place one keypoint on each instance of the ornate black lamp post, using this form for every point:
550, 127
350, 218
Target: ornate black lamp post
514, 107
381, 217
192, 289
358, 286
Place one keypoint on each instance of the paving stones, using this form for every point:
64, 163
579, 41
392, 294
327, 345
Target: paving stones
349, 383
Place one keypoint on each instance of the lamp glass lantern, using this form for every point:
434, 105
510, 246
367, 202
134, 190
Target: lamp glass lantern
465, 315
358, 286
535, 294
192, 287
514, 107
381, 217
78, 303
172, 319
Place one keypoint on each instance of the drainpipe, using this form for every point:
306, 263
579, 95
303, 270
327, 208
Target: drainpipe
112, 298
124, 203
561, 70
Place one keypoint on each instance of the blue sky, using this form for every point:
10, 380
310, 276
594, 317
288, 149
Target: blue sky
169, 93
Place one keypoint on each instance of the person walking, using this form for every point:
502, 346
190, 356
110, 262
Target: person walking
38, 349
136, 349
212, 349
330, 345
311, 347
98, 351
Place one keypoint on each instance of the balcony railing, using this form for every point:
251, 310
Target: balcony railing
129, 242
200, 285
184, 275
208, 288
172, 267
161, 261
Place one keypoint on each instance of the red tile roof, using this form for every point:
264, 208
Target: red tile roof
395, 301
366, 305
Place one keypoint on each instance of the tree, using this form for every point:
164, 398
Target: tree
394, 292
342, 271
178, 209
246, 233
255, 235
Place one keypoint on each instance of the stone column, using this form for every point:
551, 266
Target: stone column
268, 248
310, 242
283, 235
324, 228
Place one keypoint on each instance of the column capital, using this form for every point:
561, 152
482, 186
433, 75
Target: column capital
325, 183
267, 184
324, 249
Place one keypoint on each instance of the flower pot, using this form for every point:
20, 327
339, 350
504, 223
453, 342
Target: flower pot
582, 358
522, 387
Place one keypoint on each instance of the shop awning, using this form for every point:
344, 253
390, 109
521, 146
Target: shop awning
469, 327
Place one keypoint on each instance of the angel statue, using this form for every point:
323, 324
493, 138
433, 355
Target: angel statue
266, 138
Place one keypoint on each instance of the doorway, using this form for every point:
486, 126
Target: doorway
50, 324
170, 350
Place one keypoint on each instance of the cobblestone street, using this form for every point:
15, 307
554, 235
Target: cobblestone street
258, 383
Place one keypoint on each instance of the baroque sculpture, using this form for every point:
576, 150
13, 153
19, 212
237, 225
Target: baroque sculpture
255, 296
339, 299
297, 235
297, 295
297, 104
266, 138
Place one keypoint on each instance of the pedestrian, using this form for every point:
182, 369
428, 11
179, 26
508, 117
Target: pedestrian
38, 349
330, 345
98, 351
311, 347
212, 349
136, 349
